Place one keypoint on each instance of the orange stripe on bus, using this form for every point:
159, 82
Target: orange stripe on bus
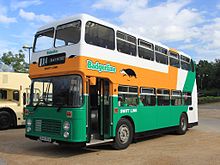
78, 65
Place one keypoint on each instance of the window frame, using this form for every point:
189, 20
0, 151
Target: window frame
149, 94
114, 43
126, 41
173, 57
184, 95
35, 39
14, 95
179, 96
161, 53
32, 91
152, 49
166, 95
67, 24
183, 60
128, 93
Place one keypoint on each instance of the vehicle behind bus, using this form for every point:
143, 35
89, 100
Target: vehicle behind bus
14, 94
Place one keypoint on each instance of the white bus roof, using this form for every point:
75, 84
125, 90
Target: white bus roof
86, 17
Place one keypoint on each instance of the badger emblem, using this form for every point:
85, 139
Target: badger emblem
128, 72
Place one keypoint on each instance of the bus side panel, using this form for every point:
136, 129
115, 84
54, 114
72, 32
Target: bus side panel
176, 112
148, 118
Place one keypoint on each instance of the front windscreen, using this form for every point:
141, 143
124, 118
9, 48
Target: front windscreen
44, 40
63, 91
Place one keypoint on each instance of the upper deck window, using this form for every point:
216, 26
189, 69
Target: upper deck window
100, 35
185, 63
146, 50
68, 34
44, 40
174, 59
161, 55
126, 43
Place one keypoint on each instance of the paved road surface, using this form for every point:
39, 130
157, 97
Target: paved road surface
201, 145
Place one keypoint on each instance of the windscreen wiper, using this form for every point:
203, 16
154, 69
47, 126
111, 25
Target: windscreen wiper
59, 106
39, 101
35, 107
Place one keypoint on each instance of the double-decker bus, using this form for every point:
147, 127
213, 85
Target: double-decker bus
14, 94
99, 83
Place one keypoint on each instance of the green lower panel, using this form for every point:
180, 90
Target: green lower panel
47, 121
148, 118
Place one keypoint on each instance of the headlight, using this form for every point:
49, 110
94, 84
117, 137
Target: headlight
29, 122
66, 134
28, 129
66, 126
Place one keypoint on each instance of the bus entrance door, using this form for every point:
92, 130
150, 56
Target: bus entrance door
99, 111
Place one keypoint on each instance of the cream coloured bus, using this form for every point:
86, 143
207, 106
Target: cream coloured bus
14, 91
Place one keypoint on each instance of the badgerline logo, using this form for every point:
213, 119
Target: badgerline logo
100, 67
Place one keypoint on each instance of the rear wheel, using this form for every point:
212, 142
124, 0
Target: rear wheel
124, 134
5, 120
183, 125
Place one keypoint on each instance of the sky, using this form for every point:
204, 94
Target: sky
192, 26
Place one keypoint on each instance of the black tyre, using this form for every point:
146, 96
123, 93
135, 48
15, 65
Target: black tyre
5, 120
124, 134
183, 125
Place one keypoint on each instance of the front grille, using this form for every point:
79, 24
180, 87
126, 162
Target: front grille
48, 126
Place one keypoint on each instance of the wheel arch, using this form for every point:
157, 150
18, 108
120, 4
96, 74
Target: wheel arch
12, 113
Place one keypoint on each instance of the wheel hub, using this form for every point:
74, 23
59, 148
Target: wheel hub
124, 134
183, 123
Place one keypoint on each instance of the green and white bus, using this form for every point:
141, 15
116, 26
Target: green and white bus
93, 82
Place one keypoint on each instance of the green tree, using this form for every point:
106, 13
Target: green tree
216, 72
204, 74
16, 61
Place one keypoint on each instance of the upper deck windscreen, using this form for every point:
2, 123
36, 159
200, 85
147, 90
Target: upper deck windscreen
66, 34
44, 40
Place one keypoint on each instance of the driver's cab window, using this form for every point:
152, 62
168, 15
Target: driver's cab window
16, 95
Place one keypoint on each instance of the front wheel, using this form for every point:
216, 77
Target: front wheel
183, 125
5, 120
124, 134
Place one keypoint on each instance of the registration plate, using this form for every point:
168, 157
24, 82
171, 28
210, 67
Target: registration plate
45, 139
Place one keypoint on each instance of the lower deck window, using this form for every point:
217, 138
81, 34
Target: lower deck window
127, 100
187, 97
127, 96
176, 100
163, 100
148, 100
